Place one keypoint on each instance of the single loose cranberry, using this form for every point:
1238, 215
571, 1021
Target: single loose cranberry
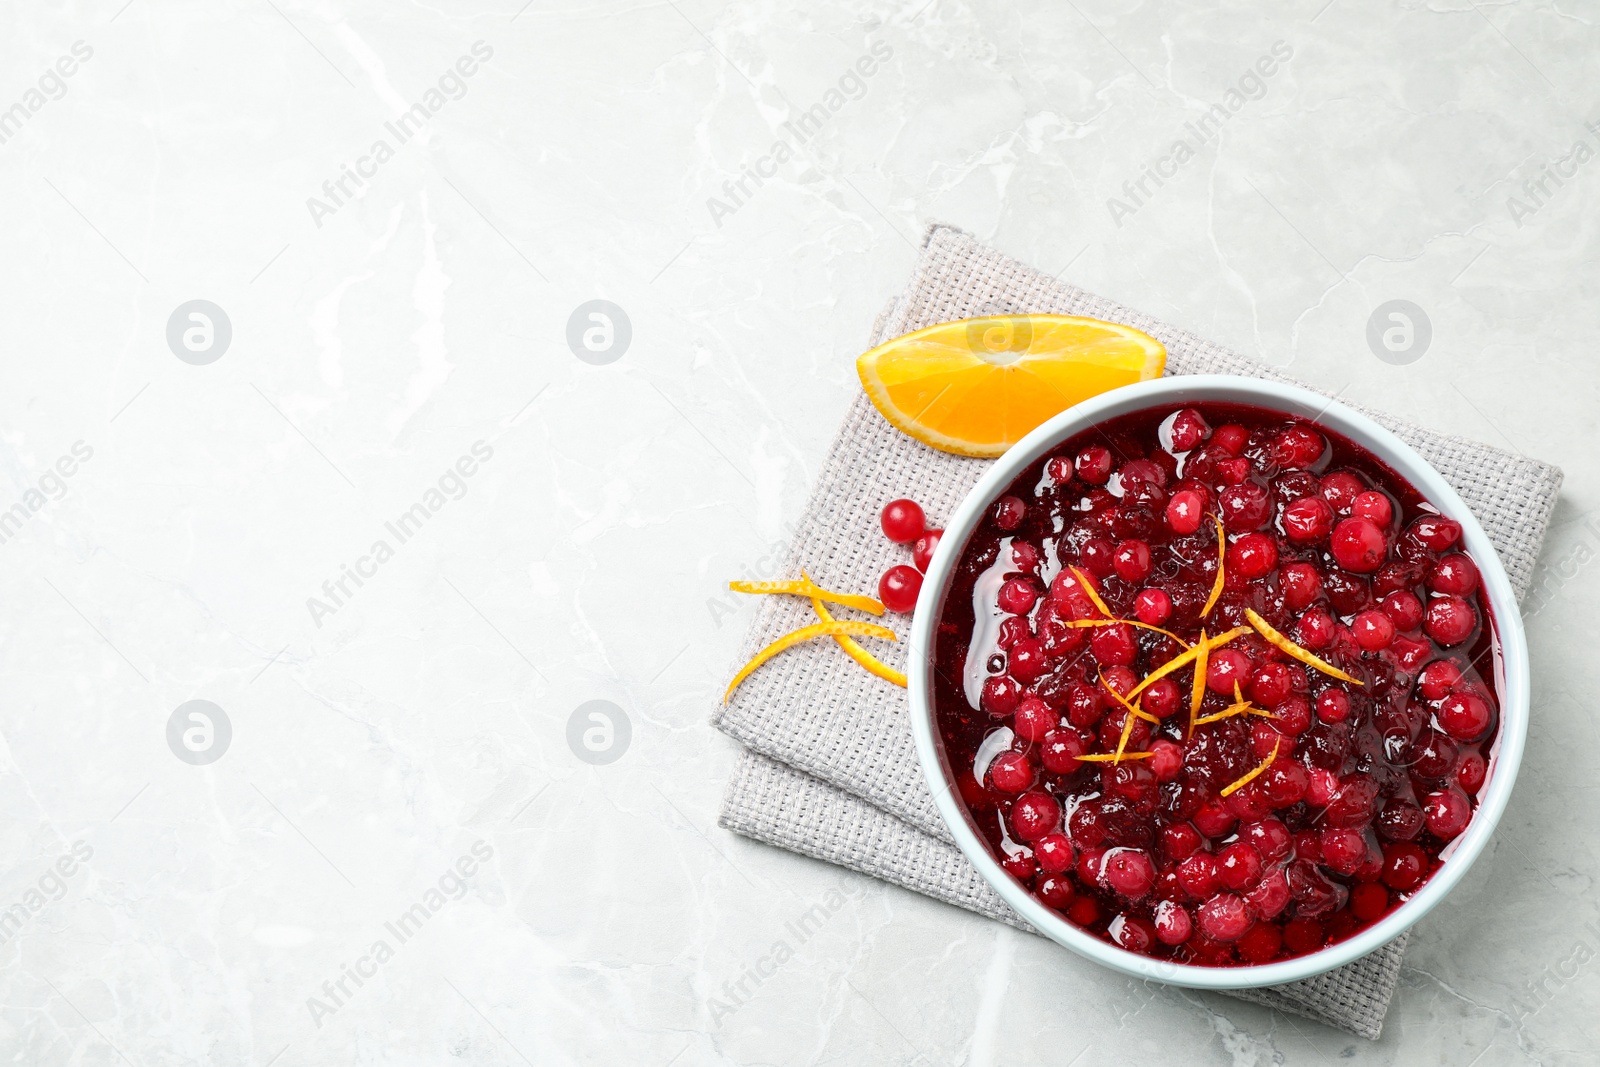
1011, 772
1094, 465
1270, 838
1129, 872
1017, 596
1060, 749
1000, 695
1166, 759
1187, 431
1227, 668
1374, 506
1437, 679
1292, 715
1403, 608
922, 551
1185, 511
1162, 698
1231, 438
1243, 507
1056, 890
1019, 865
1271, 684
1285, 783
1172, 922
903, 521
1343, 849
1446, 812
1084, 706
1261, 944
1322, 788
899, 587
1266, 740
1303, 936
1054, 853
1433, 755
1449, 620
1252, 556
1132, 560
1239, 866
1299, 447
1404, 864
1084, 912
1465, 716
1224, 917
1436, 532
1308, 520
1302, 584
1368, 901
1315, 630
1373, 631
1008, 512
1152, 606
1198, 874
1340, 489
1233, 471
1471, 772
1358, 545
1033, 815
1453, 575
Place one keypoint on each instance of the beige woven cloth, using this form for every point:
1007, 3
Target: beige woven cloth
831, 771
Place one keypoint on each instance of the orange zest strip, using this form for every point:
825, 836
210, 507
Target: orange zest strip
1273, 637
1250, 777
1112, 757
1216, 586
1078, 624
1238, 709
806, 587
1127, 732
1094, 598
1184, 658
1198, 693
806, 633
854, 650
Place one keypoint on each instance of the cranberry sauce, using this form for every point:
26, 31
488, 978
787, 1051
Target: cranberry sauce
1360, 788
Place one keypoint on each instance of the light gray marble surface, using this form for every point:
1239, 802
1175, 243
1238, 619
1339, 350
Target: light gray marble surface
391, 734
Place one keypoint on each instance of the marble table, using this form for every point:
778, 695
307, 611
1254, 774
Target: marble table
389, 391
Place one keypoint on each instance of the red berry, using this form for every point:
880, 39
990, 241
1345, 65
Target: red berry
1368, 901
1293, 715
903, 521
1270, 838
1252, 556
1025, 556
1303, 936
1270, 895
1225, 669
1059, 470
922, 551
1019, 865
1224, 917
1358, 545
1166, 759
1187, 431
1033, 719
1054, 853
1131, 933
1114, 645
1033, 815
1060, 749
1340, 490
1437, 679
1129, 872
1453, 575
899, 586
1374, 506
1013, 628
1307, 520
1056, 890
1239, 866
1231, 438
1404, 866
1011, 772
1084, 911
1436, 532
1026, 661
1299, 447
1343, 849
1198, 874
1301, 585
1465, 716
1017, 596
1271, 684
1315, 630
1099, 557
1186, 511
1008, 512
1373, 631
1322, 788
1471, 773
1000, 695
1449, 620
1447, 812
1244, 507
1152, 606
1261, 944
1213, 819
1094, 465
1132, 561
1162, 698
1172, 922
1403, 609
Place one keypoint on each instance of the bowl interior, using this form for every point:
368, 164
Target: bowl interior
1511, 663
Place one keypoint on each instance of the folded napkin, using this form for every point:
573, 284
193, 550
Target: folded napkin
831, 770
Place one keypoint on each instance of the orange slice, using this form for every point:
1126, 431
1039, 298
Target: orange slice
976, 386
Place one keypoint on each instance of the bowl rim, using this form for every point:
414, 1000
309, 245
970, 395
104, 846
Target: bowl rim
1505, 755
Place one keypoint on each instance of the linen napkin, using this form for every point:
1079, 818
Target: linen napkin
831, 770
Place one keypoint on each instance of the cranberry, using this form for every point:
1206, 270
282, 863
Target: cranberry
902, 521
1285, 783
1094, 465
1231, 438
1433, 756
1302, 584
1404, 609
1315, 630
1471, 773
1099, 557
1129, 872
1269, 837
1437, 679
1465, 716
1243, 507
1270, 895
1187, 431
1340, 490
1033, 815
1308, 520
1179, 841
1131, 933
1054, 853
1270, 685
1373, 631
1132, 561
1322, 787
1114, 646
1013, 628
1293, 715
1213, 819
1450, 620
1000, 696
922, 551
1303, 936
1343, 849
1252, 556
1261, 944
1373, 506
1404, 864
1239, 866
1056, 890
1399, 821
1162, 698
1298, 447
1358, 545
1011, 772
1233, 471
1172, 923
1084, 707
1025, 556
1019, 865
1436, 532
1060, 749
1152, 606
1199, 875
1227, 668
1368, 901
1027, 661
1166, 759
1084, 912
1446, 812
1008, 512
1059, 470
1224, 917
898, 588
1454, 575
1017, 596
1185, 511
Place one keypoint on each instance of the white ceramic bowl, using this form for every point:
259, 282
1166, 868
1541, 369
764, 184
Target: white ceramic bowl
1172, 393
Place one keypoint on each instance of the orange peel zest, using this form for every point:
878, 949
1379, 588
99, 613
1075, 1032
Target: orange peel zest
806, 633
1094, 597
804, 586
1216, 586
1283, 644
1103, 757
1198, 692
1254, 774
1186, 657
853, 649
1078, 624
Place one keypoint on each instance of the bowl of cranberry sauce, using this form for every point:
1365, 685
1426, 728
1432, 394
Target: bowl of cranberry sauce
1217, 682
